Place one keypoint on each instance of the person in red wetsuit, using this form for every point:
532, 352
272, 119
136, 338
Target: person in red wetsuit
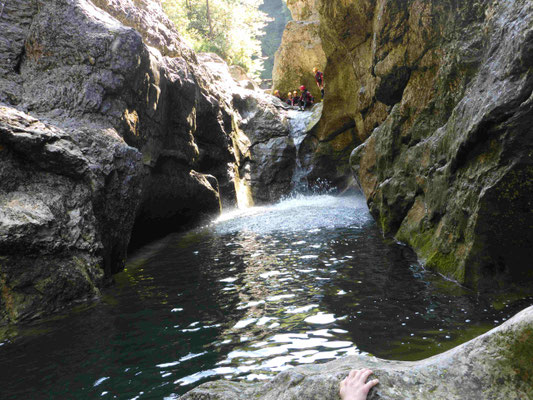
305, 98
319, 78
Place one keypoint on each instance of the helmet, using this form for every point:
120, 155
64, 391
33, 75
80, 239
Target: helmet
276, 91
295, 92
302, 88
289, 94
315, 70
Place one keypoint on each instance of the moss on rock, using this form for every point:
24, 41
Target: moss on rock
455, 131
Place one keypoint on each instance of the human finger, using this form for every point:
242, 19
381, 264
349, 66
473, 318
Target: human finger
369, 385
353, 373
365, 374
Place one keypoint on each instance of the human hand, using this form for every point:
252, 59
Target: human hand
355, 387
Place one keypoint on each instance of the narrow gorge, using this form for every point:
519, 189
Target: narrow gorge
170, 230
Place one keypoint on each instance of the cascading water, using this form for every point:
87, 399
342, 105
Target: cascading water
299, 120
301, 125
255, 292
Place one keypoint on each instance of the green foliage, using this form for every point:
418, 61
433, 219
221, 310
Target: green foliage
230, 29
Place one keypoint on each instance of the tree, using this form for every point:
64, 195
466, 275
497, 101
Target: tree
209, 19
229, 28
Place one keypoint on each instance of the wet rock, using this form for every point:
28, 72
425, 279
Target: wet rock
111, 128
496, 365
304, 125
440, 96
272, 152
300, 50
313, 40
267, 154
62, 224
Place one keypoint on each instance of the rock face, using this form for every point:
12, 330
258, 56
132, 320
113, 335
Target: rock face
300, 50
440, 93
110, 128
67, 205
496, 365
309, 42
303, 10
267, 151
271, 160
328, 145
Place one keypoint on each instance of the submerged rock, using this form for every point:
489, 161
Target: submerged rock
496, 365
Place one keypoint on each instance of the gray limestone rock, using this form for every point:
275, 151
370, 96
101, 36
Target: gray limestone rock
272, 152
66, 211
437, 97
111, 129
267, 152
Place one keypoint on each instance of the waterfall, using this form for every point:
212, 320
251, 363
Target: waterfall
301, 123
298, 130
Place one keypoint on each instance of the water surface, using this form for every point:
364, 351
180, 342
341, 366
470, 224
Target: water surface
256, 292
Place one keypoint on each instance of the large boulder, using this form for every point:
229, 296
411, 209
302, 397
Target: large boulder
439, 93
496, 365
110, 129
67, 204
300, 50
98, 133
267, 150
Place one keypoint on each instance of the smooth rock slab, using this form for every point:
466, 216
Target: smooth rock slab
496, 365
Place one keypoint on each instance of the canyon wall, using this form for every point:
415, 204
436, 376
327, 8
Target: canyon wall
300, 50
435, 96
439, 95
326, 150
111, 129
